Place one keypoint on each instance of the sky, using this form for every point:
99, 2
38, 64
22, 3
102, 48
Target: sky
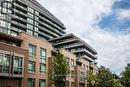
104, 24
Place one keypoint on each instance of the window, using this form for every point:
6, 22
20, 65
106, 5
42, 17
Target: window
42, 68
29, 26
36, 23
31, 67
42, 83
18, 65
30, 32
5, 63
42, 55
29, 20
13, 33
32, 50
36, 29
72, 62
30, 10
36, 13
30, 15
4, 24
31, 82
36, 18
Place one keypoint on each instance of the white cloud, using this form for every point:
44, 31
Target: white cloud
123, 14
79, 17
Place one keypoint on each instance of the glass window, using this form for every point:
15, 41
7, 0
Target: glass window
6, 59
4, 24
29, 26
13, 33
29, 20
1, 58
31, 82
18, 65
30, 15
36, 18
42, 68
36, 29
42, 55
31, 67
72, 62
36, 13
42, 83
30, 10
30, 32
36, 34
36, 23
32, 50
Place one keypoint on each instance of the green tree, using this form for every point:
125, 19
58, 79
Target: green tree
104, 78
59, 69
125, 76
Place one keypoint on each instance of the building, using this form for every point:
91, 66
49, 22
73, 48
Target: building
29, 16
77, 46
28, 35
23, 61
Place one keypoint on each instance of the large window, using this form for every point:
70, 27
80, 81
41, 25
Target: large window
4, 24
31, 67
42, 83
31, 82
72, 62
30, 32
29, 26
30, 15
29, 20
42, 68
30, 10
4, 62
42, 60
18, 65
32, 50
42, 55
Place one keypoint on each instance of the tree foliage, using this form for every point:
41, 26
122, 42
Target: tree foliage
104, 78
125, 76
59, 69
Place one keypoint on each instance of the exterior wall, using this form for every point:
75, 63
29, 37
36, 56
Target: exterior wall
70, 56
38, 43
11, 79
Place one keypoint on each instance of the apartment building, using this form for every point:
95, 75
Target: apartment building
23, 61
29, 16
75, 45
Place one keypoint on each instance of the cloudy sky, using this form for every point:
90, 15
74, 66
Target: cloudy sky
104, 24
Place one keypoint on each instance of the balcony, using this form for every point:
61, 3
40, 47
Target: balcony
20, 12
52, 24
45, 35
84, 50
19, 18
18, 24
19, 6
88, 58
51, 28
66, 41
74, 45
51, 33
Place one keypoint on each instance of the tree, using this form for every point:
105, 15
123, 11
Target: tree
92, 79
125, 76
59, 69
104, 78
